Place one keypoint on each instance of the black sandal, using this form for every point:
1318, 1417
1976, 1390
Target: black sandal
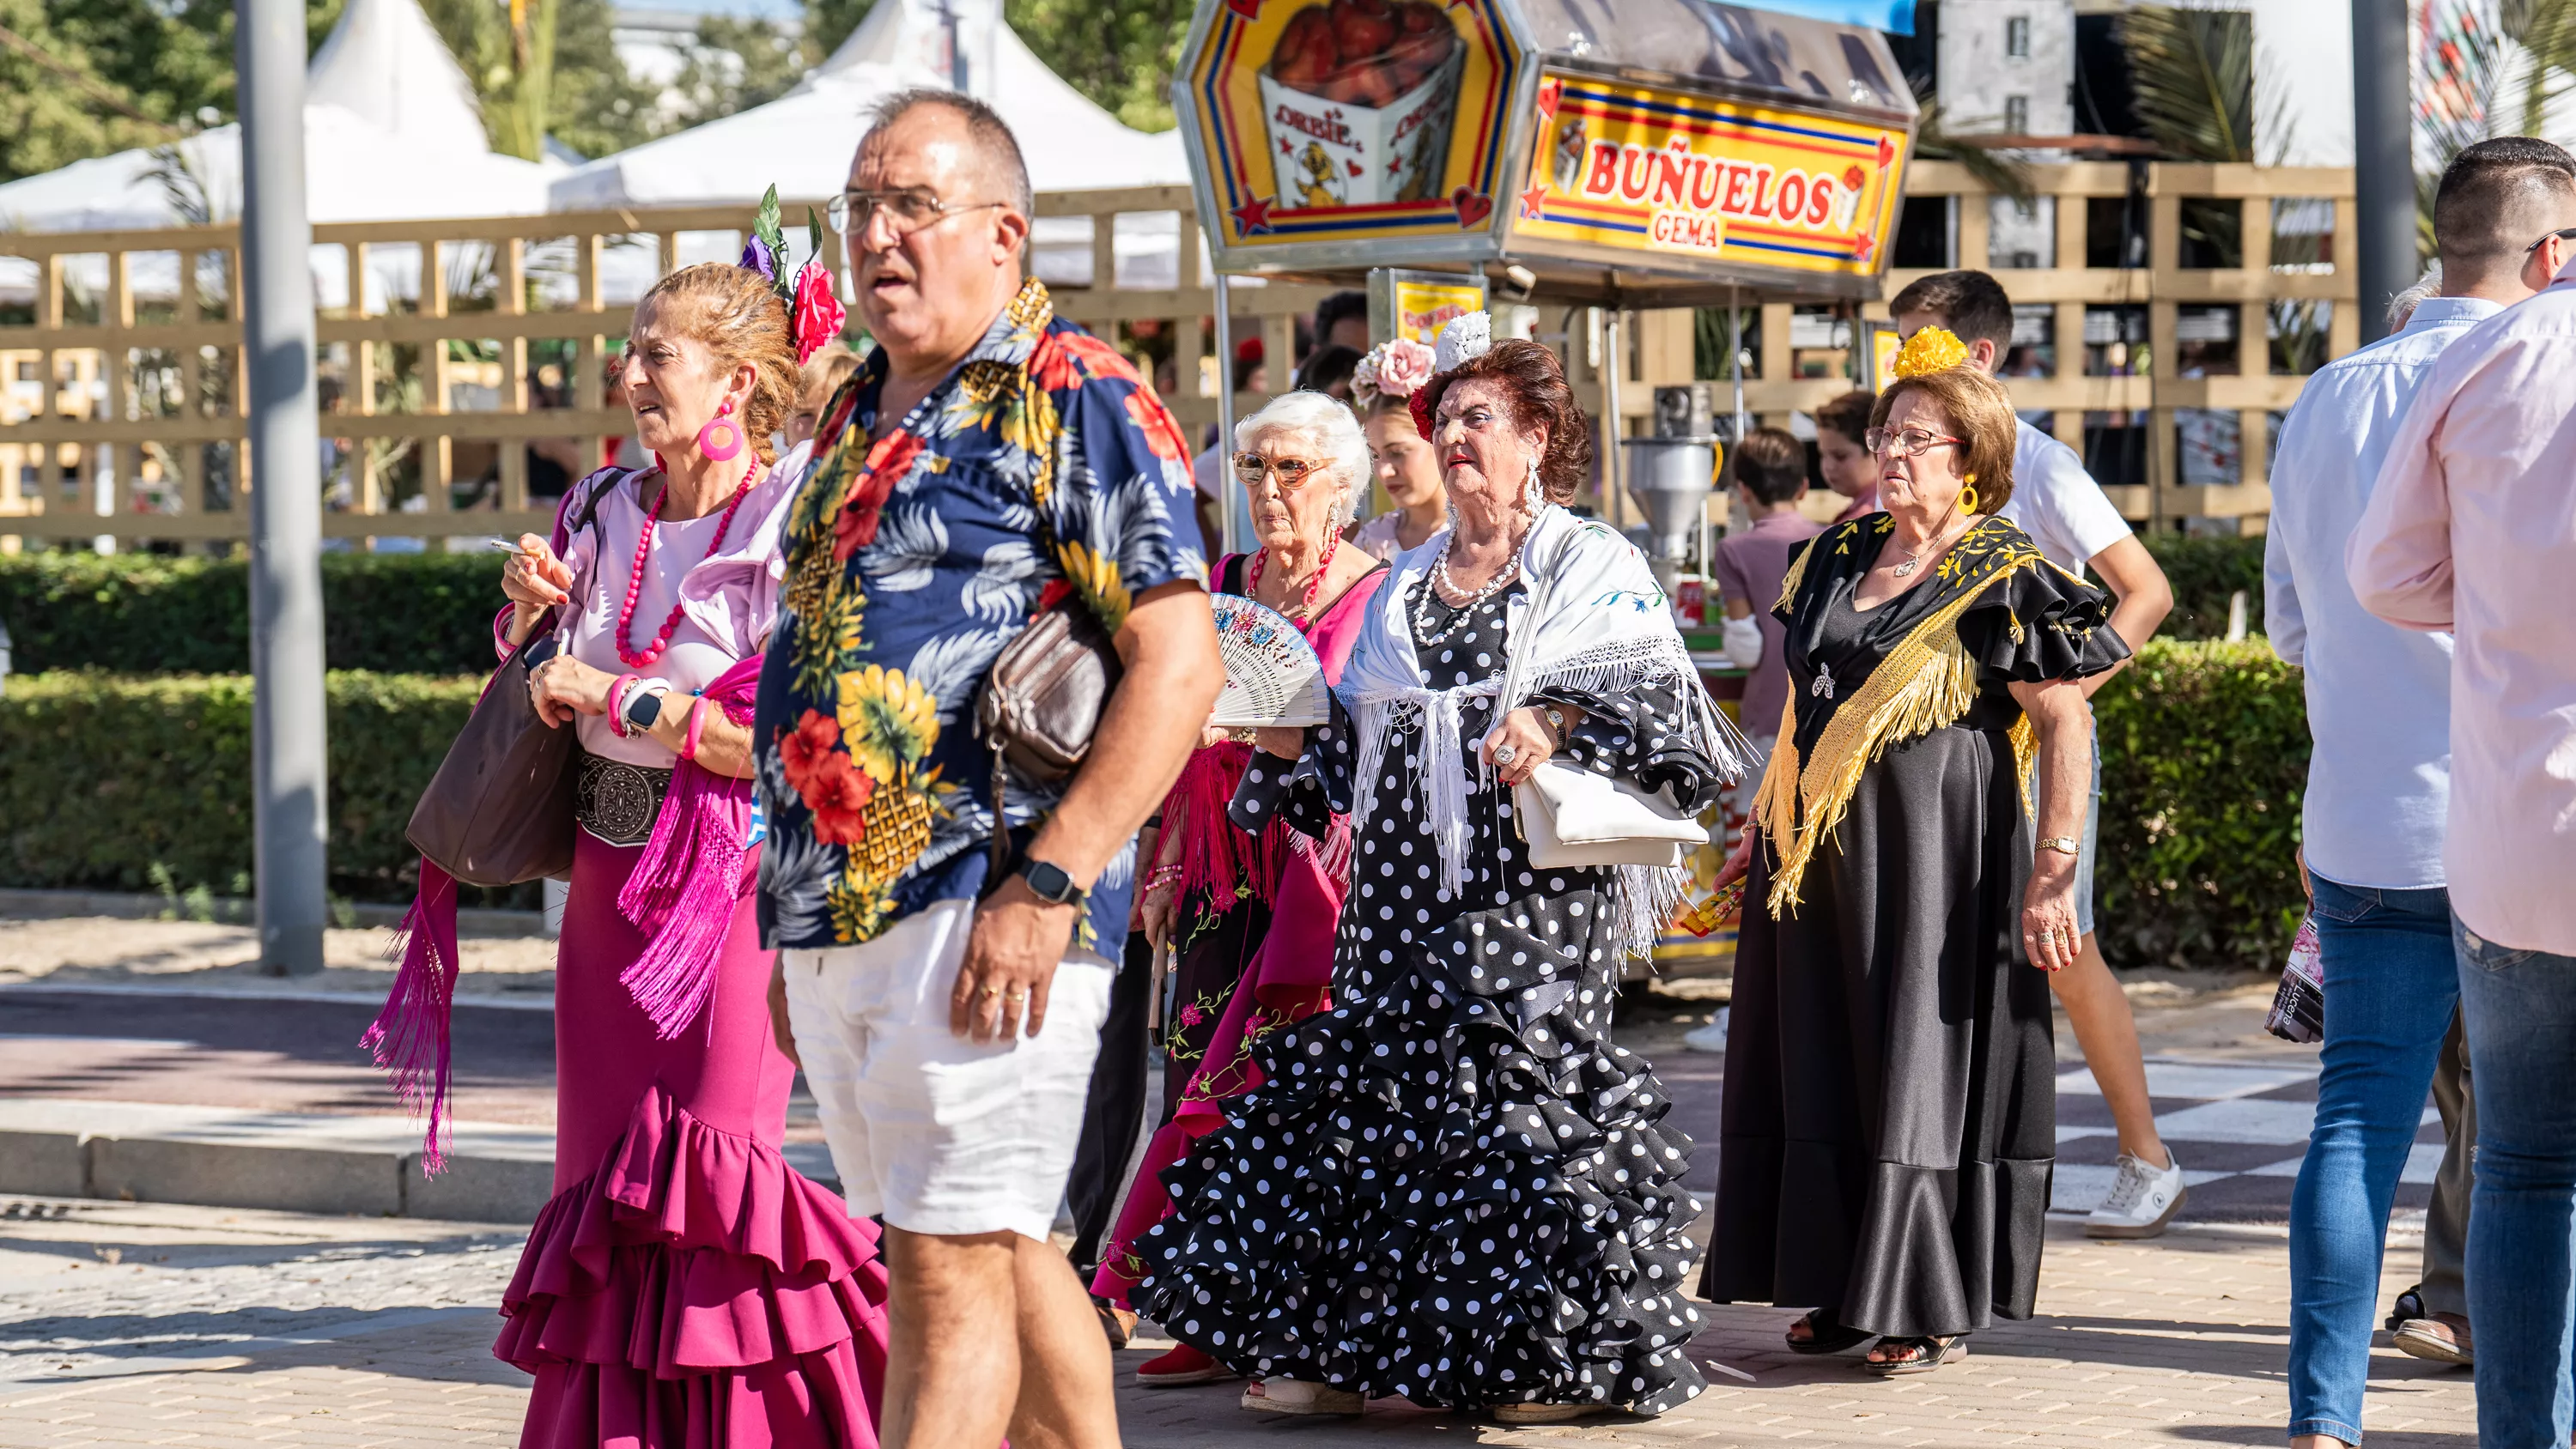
1826, 1333
1918, 1355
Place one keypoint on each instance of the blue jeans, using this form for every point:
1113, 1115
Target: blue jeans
2520, 1010
2391, 981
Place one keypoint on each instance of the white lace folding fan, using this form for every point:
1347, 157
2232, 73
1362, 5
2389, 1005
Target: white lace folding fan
1272, 676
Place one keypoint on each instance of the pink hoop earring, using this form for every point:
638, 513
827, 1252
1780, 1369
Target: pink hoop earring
721, 439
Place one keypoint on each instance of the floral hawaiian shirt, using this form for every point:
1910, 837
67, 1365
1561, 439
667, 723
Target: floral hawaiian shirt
913, 554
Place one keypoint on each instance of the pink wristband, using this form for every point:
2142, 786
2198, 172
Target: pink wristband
697, 722
617, 701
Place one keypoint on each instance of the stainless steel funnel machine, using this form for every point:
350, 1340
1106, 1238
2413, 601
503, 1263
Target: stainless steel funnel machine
1671, 474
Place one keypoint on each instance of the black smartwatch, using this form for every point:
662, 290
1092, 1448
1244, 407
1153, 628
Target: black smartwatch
1050, 883
643, 711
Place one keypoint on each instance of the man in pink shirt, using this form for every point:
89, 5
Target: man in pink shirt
2472, 529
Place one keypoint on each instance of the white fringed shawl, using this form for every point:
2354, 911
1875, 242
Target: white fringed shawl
1594, 621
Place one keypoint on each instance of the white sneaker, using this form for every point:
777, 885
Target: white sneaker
2143, 1199
1709, 1038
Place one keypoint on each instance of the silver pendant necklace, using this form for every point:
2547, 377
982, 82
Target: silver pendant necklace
1935, 542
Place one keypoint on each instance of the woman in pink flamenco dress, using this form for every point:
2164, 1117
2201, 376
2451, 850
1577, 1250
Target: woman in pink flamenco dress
684, 1288
1249, 919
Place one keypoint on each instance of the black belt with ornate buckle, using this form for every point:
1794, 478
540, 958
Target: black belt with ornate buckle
616, 801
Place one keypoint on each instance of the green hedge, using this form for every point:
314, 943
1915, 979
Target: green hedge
431, 613
2204, 761
420, 613
2204, 572
105, 777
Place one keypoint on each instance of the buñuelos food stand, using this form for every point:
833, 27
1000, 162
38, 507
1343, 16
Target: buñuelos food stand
1641, 153
1625, 153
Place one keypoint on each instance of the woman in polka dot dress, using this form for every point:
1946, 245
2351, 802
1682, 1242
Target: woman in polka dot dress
1453, 1186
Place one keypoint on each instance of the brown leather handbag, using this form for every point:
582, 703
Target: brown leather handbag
500, 809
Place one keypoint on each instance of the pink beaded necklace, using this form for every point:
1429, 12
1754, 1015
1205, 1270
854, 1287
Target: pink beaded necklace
635, 580
1314, 586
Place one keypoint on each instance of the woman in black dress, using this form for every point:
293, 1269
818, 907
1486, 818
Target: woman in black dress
1889, 1121
1452, 1186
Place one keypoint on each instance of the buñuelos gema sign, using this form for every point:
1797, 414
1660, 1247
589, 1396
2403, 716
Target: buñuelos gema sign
1650, 145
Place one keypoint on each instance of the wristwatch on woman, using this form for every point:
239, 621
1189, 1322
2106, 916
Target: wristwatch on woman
643, 711
2062, 844
1556, 721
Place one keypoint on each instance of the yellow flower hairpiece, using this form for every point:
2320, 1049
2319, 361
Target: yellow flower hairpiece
1930, 350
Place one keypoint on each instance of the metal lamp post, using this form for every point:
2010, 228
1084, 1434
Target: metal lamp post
2383, 159
291, 798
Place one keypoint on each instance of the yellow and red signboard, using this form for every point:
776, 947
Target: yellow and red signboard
1678, 176
1332, 122
1420, 304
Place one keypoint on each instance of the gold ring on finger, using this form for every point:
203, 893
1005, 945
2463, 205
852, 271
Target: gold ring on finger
1016, 997
991, 991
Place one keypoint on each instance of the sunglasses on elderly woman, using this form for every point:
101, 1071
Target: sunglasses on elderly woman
1908, 443
1292, 473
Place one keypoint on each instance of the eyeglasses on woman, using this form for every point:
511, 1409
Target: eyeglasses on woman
1906, 442
1292, 473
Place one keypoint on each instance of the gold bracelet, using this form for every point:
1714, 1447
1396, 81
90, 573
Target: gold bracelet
2063, 844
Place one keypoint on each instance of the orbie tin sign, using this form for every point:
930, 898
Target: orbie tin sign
1679, 179
1418, 304
1321, 124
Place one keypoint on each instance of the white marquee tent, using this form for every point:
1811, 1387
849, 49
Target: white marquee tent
802, 141
391, 133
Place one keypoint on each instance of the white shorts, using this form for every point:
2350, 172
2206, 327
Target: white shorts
938, 1134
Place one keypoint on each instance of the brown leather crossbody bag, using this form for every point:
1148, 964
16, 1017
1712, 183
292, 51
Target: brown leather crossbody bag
500, 809
1041, 703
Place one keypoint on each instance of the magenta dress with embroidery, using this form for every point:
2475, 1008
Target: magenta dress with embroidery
684, 1287
1281, 890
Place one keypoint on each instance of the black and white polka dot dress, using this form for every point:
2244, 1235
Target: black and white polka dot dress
1452, 1186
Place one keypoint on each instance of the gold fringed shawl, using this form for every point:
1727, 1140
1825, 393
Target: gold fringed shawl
1925, 682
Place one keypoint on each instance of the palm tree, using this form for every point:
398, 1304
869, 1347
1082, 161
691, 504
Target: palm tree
2484, 78
2192, 83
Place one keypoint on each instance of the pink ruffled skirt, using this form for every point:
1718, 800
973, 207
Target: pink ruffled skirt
685, 1288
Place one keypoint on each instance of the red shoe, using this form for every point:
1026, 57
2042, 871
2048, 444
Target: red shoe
1183, 1365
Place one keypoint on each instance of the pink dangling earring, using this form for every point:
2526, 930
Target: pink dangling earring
721, 439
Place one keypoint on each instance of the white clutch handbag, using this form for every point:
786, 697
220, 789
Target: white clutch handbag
1574, 817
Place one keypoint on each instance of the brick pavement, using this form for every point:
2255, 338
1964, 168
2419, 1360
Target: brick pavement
341, 1331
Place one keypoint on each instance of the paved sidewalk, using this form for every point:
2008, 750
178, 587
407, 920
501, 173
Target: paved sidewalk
125, 1323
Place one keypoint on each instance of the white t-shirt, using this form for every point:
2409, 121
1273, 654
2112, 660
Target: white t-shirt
2057, 503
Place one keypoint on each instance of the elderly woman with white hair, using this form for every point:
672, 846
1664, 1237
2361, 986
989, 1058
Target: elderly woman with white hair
1248, 914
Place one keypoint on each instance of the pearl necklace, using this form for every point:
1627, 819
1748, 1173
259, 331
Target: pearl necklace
635, 580
1422, 630
1306, 606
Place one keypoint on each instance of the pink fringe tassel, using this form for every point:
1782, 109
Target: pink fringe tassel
1217, 857
682, 894
409, 1038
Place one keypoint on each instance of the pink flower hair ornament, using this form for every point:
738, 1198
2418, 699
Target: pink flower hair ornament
814, 310
1391, 369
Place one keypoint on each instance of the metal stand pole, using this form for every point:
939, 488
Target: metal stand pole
1735, 358
1614, 361
2383, 160
290, 794
1236, 525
